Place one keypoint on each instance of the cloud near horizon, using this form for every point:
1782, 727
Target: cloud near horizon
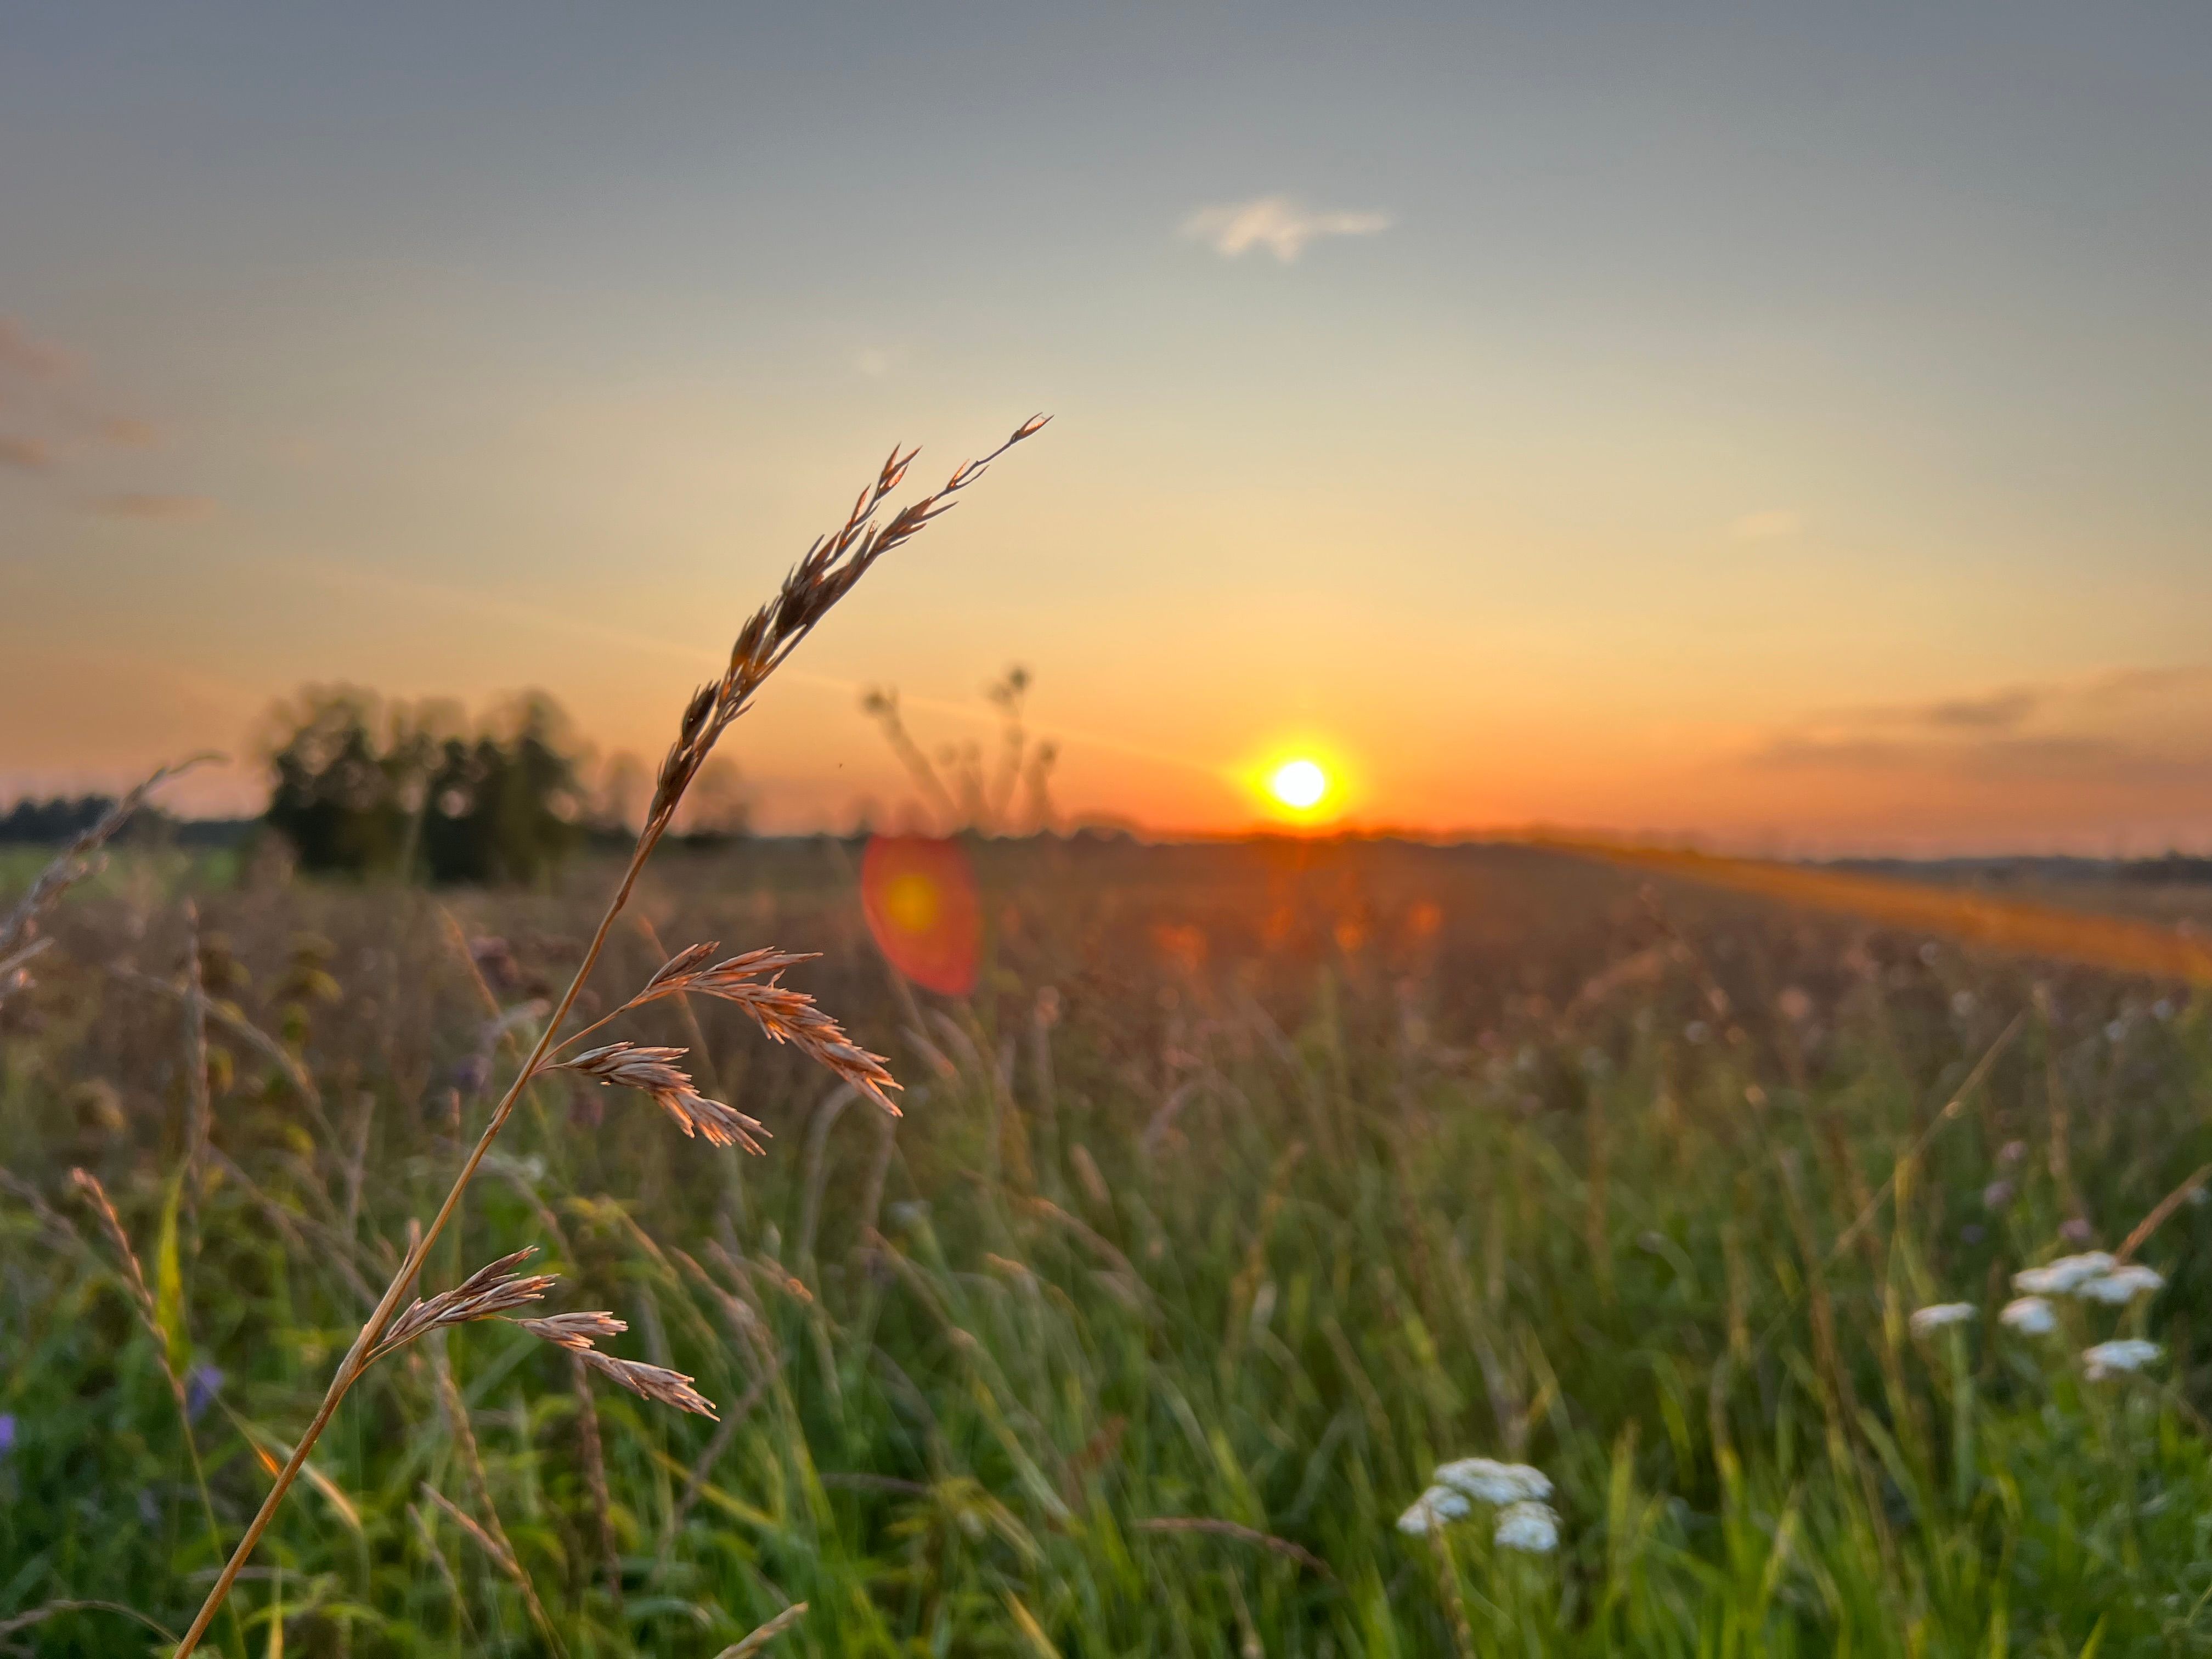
2131, 729
1282, 224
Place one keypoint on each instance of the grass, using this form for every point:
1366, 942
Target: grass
1254, 1182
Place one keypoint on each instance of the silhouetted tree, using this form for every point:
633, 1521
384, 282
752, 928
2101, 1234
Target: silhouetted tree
356, 789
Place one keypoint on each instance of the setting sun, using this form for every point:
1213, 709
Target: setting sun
1298, 784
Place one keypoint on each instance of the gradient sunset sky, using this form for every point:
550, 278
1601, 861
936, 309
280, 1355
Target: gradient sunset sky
1784, 424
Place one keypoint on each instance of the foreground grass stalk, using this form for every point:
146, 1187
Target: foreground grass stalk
828, 572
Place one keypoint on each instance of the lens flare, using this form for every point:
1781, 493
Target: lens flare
920, 897
1299, 784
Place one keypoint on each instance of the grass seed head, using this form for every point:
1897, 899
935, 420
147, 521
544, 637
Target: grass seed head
492, 1289
652, 1070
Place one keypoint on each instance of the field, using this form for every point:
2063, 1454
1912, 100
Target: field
1255, 1182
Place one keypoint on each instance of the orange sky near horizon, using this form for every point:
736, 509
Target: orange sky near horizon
1785, 432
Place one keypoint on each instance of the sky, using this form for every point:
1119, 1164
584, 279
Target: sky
1780, 425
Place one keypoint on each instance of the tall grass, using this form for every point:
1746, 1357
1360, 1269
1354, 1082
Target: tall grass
1254, 1184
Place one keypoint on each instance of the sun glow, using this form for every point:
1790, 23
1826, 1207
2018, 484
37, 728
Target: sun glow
1300, 785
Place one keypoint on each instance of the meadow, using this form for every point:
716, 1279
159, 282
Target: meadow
1254, 1182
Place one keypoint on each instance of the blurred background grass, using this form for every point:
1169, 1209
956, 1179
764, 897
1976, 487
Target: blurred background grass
1256, 1180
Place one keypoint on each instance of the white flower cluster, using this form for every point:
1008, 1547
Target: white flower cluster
2091, 1276
2030, 1316
1943, 1313
2094, 1276
1516, 1492
2128, 1354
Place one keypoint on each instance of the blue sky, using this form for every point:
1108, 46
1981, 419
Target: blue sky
1638, 417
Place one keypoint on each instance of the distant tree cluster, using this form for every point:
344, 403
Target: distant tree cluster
359, 788
49, 822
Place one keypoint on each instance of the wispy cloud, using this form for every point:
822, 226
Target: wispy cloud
54, 420
25, 454
154, 506
2128, 729
1774, 526
1281, 224
24, 361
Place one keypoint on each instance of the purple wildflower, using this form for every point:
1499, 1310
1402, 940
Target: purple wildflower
202, 1384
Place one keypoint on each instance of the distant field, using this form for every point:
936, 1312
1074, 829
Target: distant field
1255, 1182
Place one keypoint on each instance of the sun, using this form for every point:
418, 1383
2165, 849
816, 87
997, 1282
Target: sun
1298, 784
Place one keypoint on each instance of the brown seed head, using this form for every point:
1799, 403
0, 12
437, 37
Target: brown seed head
574, 1330
651, 1069
653, 1382
490, 1290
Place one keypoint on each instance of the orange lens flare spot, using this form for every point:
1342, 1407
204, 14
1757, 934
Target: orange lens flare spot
911, 904
920, 897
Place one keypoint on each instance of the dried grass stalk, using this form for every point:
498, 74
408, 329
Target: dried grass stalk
750, 980
767, 1633
653, 1382
503, 1556
822, 577
491, 1290
573, 1330
654, 1071
593, 1455
134, 1275
18, 927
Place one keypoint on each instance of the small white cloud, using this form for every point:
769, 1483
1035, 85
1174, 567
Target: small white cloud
1771, 526
876, 361
1281, 224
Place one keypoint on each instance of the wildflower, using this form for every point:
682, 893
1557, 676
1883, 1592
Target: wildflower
202, 1384
1997, 1194
2030, 1316
1935, 1318
1433, 1508
1528, 1525
7, 1432
1489, 1482
2127, 1354
2012, 1152
2060, 1278
2077, 1230
2121, 1286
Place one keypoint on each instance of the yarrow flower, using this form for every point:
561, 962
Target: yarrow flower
2122, 1285
1434, 1508
1528, 1525
2127, 1354
2030, 1316
2063, 1276
1935, 1318
1494, 1483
